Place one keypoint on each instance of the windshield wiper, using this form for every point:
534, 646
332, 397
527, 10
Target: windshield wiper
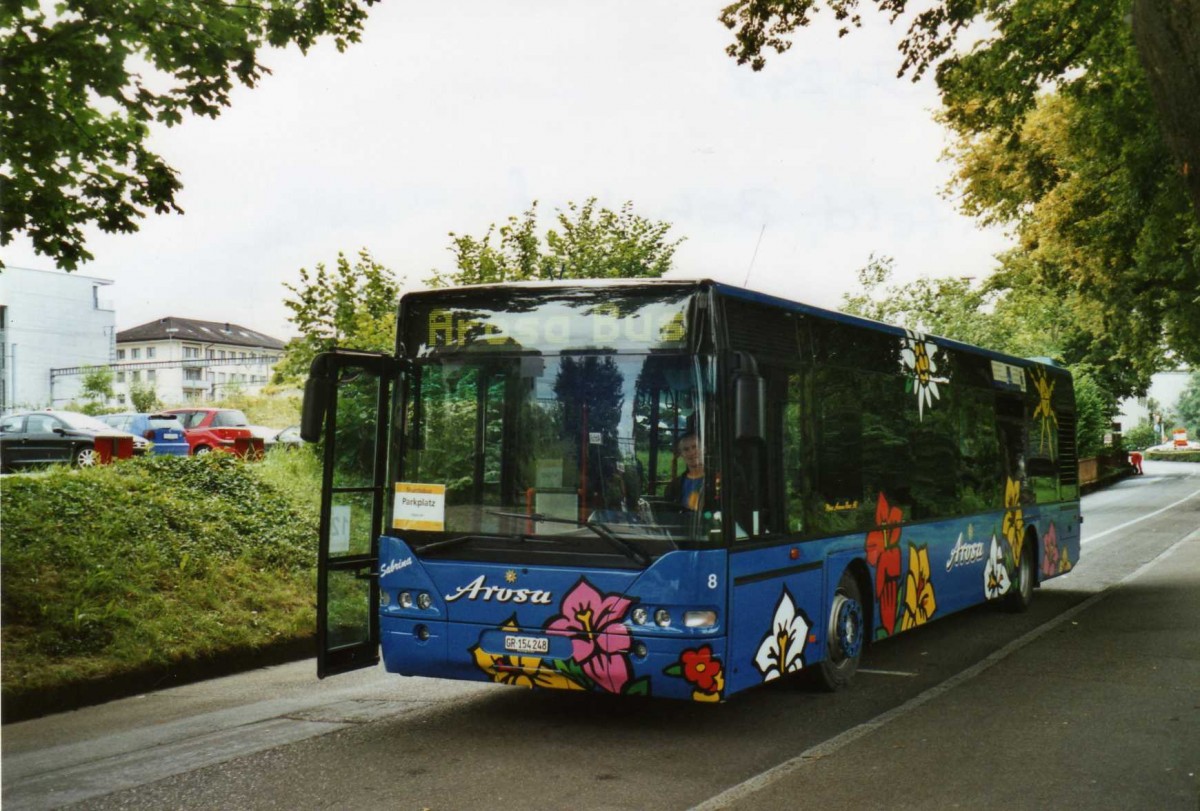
603, 530
446, 543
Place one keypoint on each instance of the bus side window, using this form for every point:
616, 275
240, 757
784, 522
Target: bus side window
797, 452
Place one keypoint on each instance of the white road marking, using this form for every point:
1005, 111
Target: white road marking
1142, 518
874, 672
760, 781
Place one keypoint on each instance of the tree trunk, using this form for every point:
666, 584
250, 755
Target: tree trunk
1167, 33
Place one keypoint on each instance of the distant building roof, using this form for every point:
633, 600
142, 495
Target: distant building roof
189, 329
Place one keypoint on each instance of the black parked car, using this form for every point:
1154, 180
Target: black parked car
44, 437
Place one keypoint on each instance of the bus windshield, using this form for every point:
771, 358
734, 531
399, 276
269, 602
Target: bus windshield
555, 453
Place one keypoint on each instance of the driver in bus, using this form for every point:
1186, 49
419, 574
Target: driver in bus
691, 490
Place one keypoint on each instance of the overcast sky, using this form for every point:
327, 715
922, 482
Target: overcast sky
449, 116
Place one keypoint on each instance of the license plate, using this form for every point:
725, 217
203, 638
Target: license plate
527, 644
170, 436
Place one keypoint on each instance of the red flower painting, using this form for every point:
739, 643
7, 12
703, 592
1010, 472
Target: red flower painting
883, 553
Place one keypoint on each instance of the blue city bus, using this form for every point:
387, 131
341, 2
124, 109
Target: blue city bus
673, 488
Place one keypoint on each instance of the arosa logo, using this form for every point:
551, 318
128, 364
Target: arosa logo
478, 589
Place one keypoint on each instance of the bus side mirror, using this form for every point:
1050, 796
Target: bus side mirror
750, 398
316, 400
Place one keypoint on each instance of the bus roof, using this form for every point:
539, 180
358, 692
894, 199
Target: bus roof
747, 294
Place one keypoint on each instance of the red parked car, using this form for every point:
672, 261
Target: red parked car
217, 429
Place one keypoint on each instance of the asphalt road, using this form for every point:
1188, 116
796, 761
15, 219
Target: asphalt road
1089, 700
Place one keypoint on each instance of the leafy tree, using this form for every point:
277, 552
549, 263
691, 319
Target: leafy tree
1188, 406
143, 397
351, 305
97, 384
1095, 408
589, 243
1020, 321
1060, 138
1032, 44
83, 83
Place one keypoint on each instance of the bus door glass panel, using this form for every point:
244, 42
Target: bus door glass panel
798, 453
838, 504
457, 435
352, 506
981, 477
1010, 423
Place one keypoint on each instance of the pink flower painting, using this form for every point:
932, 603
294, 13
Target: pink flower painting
599, 638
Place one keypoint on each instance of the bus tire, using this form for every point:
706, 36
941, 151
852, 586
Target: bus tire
845, 636
1020, 596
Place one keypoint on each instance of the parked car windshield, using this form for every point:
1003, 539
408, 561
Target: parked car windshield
81, 422
229, 419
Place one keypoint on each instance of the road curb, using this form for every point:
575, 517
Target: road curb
17, 705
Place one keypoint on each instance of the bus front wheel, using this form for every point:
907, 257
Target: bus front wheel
844, 638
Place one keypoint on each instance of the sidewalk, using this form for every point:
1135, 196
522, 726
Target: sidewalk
1101, 712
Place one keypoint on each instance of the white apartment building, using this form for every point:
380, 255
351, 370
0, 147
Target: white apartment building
52, 323
1165, 389
185, 360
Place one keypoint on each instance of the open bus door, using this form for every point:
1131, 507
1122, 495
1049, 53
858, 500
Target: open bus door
346, 405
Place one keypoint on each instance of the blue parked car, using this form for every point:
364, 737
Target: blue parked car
164, 430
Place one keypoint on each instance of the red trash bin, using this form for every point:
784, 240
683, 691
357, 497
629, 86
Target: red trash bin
248, 447
113, 446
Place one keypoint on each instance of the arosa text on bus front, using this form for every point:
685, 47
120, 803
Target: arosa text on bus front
677, 489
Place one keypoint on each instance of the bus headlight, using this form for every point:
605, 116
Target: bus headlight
405, 600
640, 616
700, 619
424, 601
662, 617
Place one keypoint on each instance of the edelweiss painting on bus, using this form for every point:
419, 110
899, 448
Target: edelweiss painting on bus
677, 489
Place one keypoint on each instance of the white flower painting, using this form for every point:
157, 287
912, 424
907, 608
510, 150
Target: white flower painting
917, 356
782, 649
995, 576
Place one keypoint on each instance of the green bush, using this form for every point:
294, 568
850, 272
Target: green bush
1174, 456
147, 562
1140, 437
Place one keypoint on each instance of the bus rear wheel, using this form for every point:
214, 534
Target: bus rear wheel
1020, 596
844, 637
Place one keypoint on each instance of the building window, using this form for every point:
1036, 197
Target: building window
120, 354
221, 354
120, 377
135, 376
150, 376
192, 374
210, 354
135, 353
149, 352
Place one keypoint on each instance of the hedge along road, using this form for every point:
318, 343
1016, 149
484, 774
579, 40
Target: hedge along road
1091, 699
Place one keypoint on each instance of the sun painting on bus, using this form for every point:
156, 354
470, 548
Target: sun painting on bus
916, 354
782, 649
1044, 412
702, 671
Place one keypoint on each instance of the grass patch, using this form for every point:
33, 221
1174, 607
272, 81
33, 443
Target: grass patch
153, 562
